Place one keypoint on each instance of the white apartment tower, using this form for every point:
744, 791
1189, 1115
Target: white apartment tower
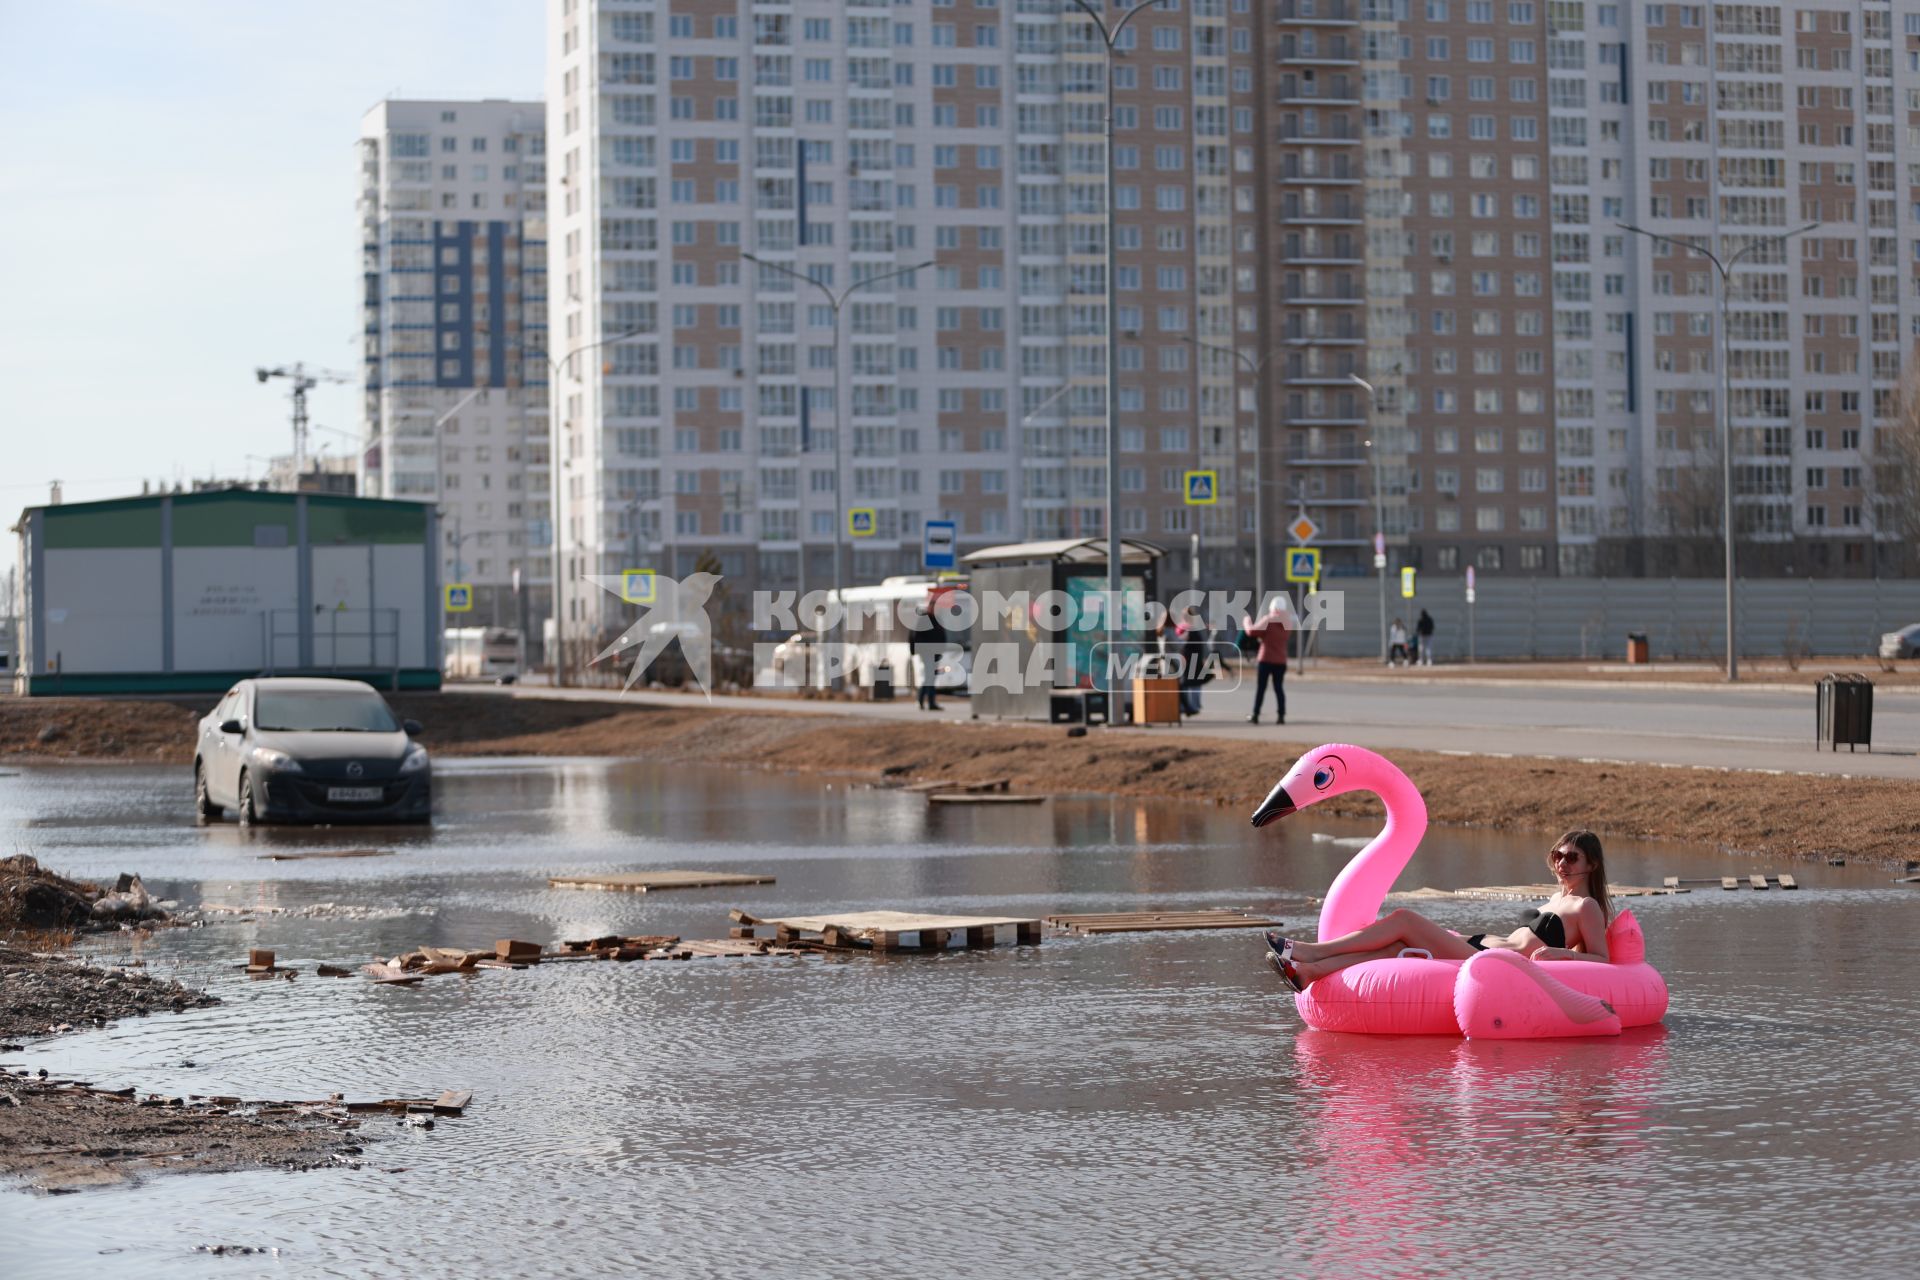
846, 139
452, 212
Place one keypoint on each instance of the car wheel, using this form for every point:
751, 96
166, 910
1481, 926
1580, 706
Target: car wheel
204, 809
245, 812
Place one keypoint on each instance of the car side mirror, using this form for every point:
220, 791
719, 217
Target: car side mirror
232, 726
412, 727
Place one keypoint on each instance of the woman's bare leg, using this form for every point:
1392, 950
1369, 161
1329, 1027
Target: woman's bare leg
1312, 971
1398, 928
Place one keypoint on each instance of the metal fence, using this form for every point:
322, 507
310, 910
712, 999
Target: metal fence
1682, 618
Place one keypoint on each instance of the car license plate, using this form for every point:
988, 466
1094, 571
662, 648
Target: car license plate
353, 793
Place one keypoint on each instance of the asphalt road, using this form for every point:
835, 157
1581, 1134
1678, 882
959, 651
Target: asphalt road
1674, 724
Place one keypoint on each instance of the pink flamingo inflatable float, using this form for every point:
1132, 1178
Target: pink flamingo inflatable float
1496, 994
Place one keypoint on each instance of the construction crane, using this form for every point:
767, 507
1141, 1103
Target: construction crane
304, 380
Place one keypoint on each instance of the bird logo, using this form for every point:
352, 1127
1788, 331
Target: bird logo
678, 611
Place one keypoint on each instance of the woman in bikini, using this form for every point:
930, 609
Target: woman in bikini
1571, 926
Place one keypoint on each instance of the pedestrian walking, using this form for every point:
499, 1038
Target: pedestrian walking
1423, 631
1193, 661
926, 644
1270, 633
1397, 643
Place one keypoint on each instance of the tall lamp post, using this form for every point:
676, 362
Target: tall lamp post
1108, 37
557, 466
1379, 510
1255, 366
1724, 267
841, 413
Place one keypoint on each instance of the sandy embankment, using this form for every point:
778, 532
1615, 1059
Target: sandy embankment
1765, 815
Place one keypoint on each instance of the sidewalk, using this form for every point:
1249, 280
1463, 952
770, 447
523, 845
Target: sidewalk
1693, 726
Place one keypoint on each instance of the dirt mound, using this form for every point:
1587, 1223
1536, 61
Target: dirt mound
31, 897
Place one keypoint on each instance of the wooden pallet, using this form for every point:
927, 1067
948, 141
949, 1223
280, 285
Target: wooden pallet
995, 784
648, 881
980, 797
1151, 921
1673, 883
326, 853
887, 930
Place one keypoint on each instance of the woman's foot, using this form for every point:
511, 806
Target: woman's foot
1287, 970
1280, 946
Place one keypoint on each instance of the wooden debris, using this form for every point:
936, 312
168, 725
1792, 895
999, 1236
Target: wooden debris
333, 971
326, 853
649, 881
996, 784
259, 960
740, 917
883, 930
1540, 891
515, 949
1147, 921
452, 1102
1757, 881
1787, 882
1728, 882
971, 797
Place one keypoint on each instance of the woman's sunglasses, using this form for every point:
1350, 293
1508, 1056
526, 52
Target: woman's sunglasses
1564, 855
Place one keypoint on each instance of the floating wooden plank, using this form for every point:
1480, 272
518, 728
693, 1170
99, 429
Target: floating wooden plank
648, 881
326, 853
1788, 882
981, 797
1757, 881
1728, 882
1530, 891
883, 930
1150, 921
1671, 882
995, 784
452, 1102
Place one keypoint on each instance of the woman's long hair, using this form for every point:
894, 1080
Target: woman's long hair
1589, 843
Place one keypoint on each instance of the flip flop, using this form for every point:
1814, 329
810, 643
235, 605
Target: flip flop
1281, 947
1285, 969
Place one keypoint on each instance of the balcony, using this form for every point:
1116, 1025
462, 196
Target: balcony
1298, 454
1340, 331
1317, 13
1333, 213
1327, 171
1335, 297
1337, 133
1306, 51
1310, 90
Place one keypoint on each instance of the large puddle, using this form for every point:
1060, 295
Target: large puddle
1126, 1105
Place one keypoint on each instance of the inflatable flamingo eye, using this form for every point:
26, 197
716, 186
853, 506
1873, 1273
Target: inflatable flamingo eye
1322, 779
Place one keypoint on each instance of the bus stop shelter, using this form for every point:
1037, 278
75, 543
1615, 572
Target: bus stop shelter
1030, 662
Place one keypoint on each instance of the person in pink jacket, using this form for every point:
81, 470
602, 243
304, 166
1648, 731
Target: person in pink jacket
1271, 631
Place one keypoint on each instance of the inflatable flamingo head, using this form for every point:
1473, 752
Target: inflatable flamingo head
1324, 772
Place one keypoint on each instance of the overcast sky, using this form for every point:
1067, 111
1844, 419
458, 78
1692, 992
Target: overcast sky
176, 207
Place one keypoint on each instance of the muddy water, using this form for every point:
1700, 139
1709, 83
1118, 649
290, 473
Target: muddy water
1131, 1105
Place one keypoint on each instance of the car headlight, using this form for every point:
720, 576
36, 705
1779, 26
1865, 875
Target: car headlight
280, 761
414, 761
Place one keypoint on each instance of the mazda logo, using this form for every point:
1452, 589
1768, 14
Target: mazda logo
355, 769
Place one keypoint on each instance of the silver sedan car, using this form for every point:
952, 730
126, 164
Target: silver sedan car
297, 749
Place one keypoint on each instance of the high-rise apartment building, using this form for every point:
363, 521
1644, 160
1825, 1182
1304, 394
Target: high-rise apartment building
453, 219
1427, 198
846, 141
1548, 382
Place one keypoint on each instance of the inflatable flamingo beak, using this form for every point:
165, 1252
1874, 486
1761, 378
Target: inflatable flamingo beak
1278, 804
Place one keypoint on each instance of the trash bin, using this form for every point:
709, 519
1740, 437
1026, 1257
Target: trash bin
883, 682
1638, 652
1843, 712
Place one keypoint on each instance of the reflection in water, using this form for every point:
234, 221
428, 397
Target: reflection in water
1397, 1126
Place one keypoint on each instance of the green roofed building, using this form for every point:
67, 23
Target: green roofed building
192, 591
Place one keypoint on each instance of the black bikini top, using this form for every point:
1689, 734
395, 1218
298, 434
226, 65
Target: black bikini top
1549, 928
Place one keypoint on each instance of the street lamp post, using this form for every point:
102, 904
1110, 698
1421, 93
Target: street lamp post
557, 467
1725, 269
1257, 368
841, 414
1379, 510
1108, 37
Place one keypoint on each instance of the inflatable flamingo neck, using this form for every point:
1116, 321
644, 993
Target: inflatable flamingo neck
1354, 900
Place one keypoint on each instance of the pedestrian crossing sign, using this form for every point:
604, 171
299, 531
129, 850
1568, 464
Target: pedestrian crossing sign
1406, 583
459, 597
637, 586
862, 522
1203, 488
1303, 564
